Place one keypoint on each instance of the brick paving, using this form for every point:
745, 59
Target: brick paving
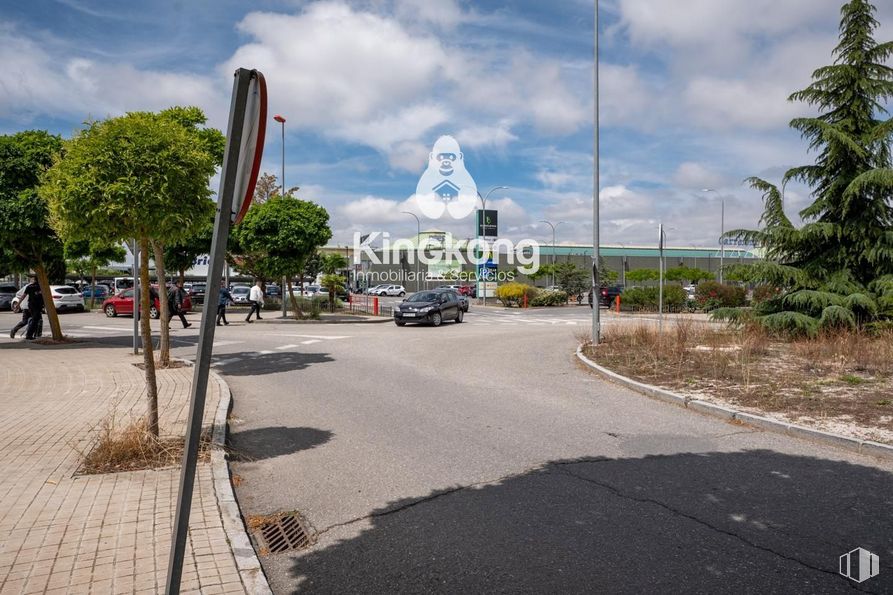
66, 533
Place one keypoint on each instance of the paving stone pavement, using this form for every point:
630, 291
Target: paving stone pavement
61, 532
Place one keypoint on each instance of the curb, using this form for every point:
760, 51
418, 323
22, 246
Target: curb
865, 447
359, 321
250, 570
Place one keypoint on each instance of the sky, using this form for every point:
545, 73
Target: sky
693, 95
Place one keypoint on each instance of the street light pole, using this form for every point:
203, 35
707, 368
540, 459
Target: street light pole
418, 282
660, 282
281, 120
549, 223
596, 323
478, 234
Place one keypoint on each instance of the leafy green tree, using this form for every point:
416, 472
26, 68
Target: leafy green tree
287, 231
837, 269
89, 257
333, 283
641, 275
140, 176
27, 241
571, 279
684, 273
332, 263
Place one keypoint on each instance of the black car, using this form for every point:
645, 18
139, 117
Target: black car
463, 300
607, 295
431, 307
197, 293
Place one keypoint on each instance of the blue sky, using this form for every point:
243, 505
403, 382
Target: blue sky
693, 95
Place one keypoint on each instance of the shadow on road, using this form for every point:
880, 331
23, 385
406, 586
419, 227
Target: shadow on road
753, 521
249, 363
266, 443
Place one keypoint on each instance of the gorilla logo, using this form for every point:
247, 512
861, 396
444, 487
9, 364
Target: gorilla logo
446, 185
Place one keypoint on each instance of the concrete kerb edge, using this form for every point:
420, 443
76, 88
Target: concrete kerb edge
253, 578
725, 413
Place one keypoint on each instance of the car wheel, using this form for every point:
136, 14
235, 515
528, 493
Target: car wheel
460, 316
110, 311
80, 308
399, 323
154, 313
436, 319
401, 294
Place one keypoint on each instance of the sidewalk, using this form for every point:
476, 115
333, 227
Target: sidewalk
68, 533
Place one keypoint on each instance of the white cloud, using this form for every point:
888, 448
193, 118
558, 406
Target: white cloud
695, 175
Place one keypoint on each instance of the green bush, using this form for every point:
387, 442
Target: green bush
549, 298
512, 294
645, 298
713, 294
761, 293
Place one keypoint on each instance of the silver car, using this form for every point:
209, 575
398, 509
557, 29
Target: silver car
7, 293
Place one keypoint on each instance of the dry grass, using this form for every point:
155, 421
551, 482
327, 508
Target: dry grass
834, 379
133, 448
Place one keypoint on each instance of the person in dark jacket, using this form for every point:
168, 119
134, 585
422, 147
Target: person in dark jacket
35, 307
175, 303
224, 298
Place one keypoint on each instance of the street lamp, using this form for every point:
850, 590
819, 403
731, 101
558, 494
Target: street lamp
484, 198
596, 282
549, 223
660, 281
418, 282
722, 231
281, 120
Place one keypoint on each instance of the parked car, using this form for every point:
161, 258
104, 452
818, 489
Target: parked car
197, 293
65, 298
391, 290
431, 307
122, 304
468, 290
463, 300
607, 295
102, 292
240, 294
375, 288
7, 293
273, 291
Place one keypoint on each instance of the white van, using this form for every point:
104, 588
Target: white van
122, 283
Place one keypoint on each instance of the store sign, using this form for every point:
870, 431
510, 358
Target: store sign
487, 224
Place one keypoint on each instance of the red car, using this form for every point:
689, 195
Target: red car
122, 304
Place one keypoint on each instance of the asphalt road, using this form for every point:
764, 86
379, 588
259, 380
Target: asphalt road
481, 457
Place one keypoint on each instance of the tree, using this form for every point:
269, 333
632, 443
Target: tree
27, 241
570, 279
88, 257
684, 273
268, 186
287, 231
180, 255
641, 275
837, 269
332, 263
140, 176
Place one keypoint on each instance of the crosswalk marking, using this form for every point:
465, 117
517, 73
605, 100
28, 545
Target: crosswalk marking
315, 336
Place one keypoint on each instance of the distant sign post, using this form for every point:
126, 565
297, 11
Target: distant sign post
487, 223
241, 164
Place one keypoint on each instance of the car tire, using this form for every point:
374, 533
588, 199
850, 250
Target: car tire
401, 294
460, 316
154, 313
399, 323
80, 308
436, 319
110, 311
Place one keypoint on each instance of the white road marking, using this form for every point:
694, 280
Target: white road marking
316, 336
108, 328
265, 352
222, 343
310, 342
226, 362
290, 346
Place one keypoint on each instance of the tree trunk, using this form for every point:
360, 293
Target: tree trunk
164, 347
294, 302
93, 287
52, 315
146, 334
182, 275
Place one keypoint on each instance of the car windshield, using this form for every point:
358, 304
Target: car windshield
65, 290
198, 287
241, 290
425, 296
7, 288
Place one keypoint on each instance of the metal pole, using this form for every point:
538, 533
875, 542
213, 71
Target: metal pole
722, 244
284, 280
206, 335
418, 226
596, 323
136, 296
660, 277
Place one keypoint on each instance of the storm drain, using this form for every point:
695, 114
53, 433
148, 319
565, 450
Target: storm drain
282, 533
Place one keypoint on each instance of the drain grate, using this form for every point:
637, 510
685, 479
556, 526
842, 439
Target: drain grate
283, 533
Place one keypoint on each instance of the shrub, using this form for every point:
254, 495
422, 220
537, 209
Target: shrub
512, 294
712, 294
645, 298
549, 298
761, 293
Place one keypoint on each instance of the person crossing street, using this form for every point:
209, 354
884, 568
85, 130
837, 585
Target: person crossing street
256, 297
225, 298
175, 303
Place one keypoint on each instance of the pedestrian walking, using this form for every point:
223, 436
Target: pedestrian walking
26, 315
256, 297
175, 303
225, 298
33, 315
